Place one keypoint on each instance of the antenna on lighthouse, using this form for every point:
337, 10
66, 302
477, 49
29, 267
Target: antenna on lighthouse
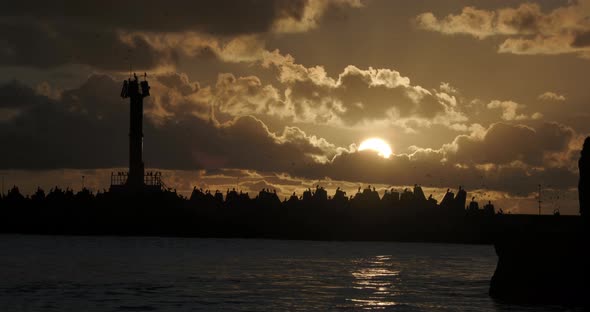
128, 59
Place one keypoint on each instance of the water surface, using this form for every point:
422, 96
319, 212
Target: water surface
58, 273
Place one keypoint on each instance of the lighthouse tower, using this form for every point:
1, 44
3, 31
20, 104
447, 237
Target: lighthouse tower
135, 91
135, 179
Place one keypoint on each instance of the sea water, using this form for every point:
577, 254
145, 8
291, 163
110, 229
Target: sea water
61, 273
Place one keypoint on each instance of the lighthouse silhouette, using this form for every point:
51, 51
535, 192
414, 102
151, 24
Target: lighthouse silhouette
136, 178
135, 95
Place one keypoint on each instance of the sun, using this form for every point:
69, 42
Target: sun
378, 145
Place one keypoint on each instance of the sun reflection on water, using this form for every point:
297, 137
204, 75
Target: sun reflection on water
375, 279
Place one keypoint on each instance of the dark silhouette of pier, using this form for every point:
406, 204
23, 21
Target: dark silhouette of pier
406, 216
545, 259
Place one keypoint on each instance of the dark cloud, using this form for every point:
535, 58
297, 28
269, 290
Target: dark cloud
106, 34
582, 40
179, 82
17, 95
87, 128
225, 17
44, 46
67, 133
526, 19
505, 143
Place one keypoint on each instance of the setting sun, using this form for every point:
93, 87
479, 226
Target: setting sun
375, 144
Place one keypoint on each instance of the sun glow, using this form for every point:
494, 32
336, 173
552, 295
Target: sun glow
375, 144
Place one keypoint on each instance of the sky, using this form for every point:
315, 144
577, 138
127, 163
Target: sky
488, 95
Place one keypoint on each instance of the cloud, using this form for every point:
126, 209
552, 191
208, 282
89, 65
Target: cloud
478, 23
447, 88
29, 42
510, 108
359, 95
503, 144
551, 96
173, 16
106, 35
311, 14
15, 94
45, 89
235, 49
174, 94
529, 30
17, 98
240, 96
